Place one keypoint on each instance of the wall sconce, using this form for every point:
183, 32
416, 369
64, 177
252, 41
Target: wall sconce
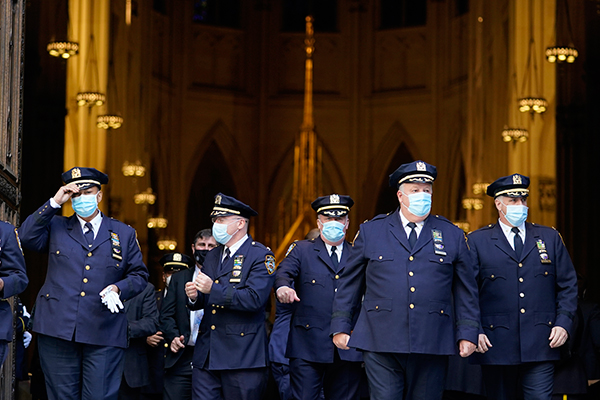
146, 197
516, 134
167, 244
136, 169
157, 223
480, 187
472, 204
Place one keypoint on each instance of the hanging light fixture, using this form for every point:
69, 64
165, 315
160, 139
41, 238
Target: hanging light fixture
167, 244
464, 225
471, 203
533, 105
63, 49
90, 99
480, 187
157, 223
108, 121
133, 169
561, 54
146, 197
515, 134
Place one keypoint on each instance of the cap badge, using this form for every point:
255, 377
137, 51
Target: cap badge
218, 199
176, 257
517, 180
334, 199
75, 173
421, 166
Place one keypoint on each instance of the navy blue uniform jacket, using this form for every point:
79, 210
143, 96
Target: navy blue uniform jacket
522, 299
12, 272
407, 305
68, 305
308, 268
233, 329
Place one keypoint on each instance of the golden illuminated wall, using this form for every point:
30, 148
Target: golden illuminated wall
442, 92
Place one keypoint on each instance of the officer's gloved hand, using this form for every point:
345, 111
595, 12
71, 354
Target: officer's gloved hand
26, 339
111, 300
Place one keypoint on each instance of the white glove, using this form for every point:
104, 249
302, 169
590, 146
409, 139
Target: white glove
25, 313
111, 300
26, 339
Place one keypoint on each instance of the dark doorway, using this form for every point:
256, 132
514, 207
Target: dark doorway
387, 200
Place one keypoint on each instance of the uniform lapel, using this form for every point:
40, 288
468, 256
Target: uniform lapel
425, 235
397, 230
76, 232
500, 241
321, 249
103, 233
345, 253
530, 238
226, 267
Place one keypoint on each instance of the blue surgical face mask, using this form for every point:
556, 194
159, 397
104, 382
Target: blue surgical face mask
219, 232
333, 231
420, 203
85, 204
516, 214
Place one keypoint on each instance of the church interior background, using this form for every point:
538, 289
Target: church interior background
223, 96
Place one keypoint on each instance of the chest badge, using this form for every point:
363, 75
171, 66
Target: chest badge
115, 244
541, 246
236, 273
438, 242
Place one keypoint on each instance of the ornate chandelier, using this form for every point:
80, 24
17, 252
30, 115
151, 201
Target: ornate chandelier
64, 49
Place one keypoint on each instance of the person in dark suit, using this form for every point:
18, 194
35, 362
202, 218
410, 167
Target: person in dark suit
156, 352
94, 262
406, 268
13, 280
230, 357
178, 323
308, 276
527, 296
142, 320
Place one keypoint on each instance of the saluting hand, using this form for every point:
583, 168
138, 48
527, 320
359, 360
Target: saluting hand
558, 336
190, 291
203, 283
287, 295
65, 193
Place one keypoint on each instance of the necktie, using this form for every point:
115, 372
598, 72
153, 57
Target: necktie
227, 253
518, 242
334, 257
412, 238
89, 235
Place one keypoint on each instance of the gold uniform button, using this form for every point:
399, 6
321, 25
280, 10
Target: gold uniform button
411, 305
549, 322
441, 260
337, 277
82, 294
307, 325
522, 294
57, 251
412, 289
411, 258
520, 265
166, 345
214, 311
520, 279
522, 311
242, 334
492, 276
410, 273
546, 273
491, 325
47, 294
217, 281
213, 327
380, 257
313, 281
441, 311
90, 254
377, 307
87, 267
85, 280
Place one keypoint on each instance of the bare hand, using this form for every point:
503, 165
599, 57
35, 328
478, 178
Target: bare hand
203, 283
558, 336
177, 344
466, 348
191, 291
341, 341
65, 193
155, 339
484, 343
286, 295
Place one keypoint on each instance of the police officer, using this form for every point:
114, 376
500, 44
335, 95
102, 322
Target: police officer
313, 268
527, 296
230, 358
13, 280
94, 262
415, 277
